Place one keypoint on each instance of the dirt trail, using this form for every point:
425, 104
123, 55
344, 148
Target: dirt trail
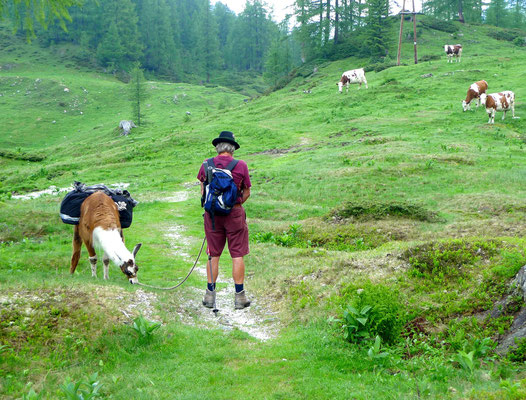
257, 320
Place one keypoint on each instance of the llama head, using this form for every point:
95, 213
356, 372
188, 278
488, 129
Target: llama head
130, 268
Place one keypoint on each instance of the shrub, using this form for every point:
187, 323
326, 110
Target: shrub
509, 35
447, 259
374, 310
439, 25
518, 353
378, 210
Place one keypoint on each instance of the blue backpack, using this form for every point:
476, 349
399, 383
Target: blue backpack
220, 189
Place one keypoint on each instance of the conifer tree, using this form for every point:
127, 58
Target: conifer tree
137, 93
376, 41
208, 43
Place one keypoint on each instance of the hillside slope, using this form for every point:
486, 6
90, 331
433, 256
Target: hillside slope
393, 191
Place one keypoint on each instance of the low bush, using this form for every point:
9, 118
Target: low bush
518, 352
447, 259
374, 310
439, 25
509, 35
380, 210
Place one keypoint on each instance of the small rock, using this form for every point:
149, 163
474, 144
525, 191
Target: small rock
426, 75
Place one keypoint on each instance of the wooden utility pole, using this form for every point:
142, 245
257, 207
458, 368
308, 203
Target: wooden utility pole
402, 13
414, 31
400, 36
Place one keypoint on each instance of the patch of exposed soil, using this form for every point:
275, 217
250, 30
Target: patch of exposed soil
257, 320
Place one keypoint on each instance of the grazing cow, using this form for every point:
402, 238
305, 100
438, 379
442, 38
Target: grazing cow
474, 92
99, 226
502, 101
453, 50
352, 76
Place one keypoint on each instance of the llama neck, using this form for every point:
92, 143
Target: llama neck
111, 243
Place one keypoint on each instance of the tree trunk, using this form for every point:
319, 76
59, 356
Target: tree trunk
460, 13
328, 22
336, 21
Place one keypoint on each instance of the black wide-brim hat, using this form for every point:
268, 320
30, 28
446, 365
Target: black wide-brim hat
228, 137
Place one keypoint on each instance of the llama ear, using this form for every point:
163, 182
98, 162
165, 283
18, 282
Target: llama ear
136, 249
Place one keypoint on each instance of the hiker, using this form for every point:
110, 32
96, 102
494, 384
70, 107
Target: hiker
231, 227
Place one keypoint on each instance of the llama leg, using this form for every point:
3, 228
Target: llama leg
93, 262
77, 244
106, 262
92, 259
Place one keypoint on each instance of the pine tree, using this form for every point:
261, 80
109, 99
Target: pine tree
110, 51
208, 41
121, 19
137, 92
376, 41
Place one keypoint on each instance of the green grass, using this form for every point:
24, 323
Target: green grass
391, 186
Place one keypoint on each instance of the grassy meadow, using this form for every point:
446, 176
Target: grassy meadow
390, 197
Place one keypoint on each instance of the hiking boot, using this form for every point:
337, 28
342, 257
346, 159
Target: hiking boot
241, 300
209, 299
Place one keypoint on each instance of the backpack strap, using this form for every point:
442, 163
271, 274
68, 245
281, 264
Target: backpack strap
232, 165
209, 165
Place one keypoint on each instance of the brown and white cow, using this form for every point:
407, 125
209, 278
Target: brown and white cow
474, 92
352, 76
453, 50
502, 101
99, 226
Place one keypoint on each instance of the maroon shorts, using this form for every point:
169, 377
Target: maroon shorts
232, 227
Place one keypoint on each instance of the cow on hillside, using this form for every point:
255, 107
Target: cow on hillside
453, 50
474, 92
352, 76
502, 101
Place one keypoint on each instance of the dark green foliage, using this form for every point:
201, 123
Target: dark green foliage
22, 155
376, 31
439, 25
448, 259
379, 210
510, 35
374, 309
380, 66
137, 93
43, 12
517, 353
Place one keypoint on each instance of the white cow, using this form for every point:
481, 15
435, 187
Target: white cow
453, 50
352, 76
502, 101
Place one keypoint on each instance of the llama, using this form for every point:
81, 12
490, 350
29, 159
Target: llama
99, 226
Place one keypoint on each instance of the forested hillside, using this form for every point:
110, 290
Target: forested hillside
200, 41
